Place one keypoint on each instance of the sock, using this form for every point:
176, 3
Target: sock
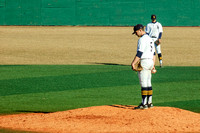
149, 99
144, 92
149, 95
160, 61
160, 57
144, 99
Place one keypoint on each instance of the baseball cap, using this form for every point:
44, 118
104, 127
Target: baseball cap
137, 27
153, 17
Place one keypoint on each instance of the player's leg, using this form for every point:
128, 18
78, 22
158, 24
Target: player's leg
158, 50
143, 82
150, 92
149, 85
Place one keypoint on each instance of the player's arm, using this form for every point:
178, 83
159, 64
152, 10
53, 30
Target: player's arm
160, 35
160, 32
136, 59
154, 60
138, 56
147, 29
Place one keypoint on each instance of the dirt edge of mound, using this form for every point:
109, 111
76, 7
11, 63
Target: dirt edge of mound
113, 118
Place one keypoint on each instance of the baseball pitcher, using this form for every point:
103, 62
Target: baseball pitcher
146, 56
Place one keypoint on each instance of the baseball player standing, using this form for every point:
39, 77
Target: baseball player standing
146, 56
155, 30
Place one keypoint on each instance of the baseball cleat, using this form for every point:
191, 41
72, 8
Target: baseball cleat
150, 105
141, 106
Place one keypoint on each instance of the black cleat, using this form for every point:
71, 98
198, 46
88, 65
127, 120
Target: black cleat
150, 105
141, 106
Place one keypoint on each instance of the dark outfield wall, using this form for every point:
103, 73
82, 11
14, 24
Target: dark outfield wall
99, 12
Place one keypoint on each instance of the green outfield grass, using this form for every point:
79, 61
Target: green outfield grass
51, 88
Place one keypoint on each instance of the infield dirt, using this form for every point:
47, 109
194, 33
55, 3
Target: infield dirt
92, 45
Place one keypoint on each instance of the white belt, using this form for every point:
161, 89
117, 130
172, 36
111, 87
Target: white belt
146, 59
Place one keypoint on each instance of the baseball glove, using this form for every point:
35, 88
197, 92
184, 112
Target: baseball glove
157, 42
138, 67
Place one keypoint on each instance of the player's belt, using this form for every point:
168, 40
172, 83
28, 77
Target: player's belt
146, 59
153, 37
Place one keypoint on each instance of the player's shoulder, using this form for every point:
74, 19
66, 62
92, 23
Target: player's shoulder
159, 23
149, 24
144, 37
147, 37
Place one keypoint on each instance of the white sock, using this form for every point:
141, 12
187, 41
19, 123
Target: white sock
149, 99
161, 62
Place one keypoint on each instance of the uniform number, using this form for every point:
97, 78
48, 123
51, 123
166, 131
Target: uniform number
151, 46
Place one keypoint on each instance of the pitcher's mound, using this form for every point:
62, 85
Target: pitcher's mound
104, 119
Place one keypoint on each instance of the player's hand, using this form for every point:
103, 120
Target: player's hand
133, 66
153, 70
159, 41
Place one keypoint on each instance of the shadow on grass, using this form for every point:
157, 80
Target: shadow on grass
7, 130
123, 106
28, 111
114, 64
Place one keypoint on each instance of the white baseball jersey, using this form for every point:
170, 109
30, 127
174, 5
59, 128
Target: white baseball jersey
153, 29
146, 46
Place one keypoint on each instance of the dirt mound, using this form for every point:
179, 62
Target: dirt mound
115, 118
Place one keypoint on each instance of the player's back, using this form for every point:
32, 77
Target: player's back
146, 45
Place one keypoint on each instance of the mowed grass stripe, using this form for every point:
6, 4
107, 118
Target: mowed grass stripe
28, 71
64, 87
70, 99
67, 82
